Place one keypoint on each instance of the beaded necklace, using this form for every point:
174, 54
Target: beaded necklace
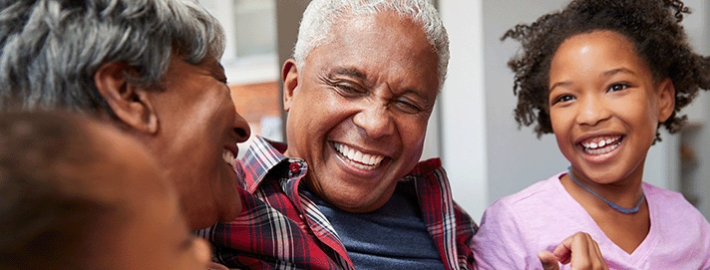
610, 203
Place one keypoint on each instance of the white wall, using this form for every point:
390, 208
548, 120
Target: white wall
463, 106
697, 26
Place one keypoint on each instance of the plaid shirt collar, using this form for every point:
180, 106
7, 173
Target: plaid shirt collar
261, 157
266, 157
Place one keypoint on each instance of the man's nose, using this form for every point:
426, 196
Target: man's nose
375, 119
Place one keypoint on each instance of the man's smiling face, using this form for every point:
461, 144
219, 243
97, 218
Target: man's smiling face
358, 108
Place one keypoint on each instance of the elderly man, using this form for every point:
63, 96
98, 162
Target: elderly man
148, 66
347, 190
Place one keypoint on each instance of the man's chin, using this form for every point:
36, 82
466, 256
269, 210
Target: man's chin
357, 206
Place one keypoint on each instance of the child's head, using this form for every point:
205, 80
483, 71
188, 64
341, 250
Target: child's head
77, 194
651, 26
604, 75
605, 105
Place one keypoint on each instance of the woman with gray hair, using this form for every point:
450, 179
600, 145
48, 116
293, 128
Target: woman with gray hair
52, 48
149, 67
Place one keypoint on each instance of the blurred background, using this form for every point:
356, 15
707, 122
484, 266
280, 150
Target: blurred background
484, 152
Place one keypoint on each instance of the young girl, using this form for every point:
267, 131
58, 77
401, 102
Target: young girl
77, 194
603, 75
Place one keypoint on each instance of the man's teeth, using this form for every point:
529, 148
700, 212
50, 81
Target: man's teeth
228, 157
599, 146
357, 158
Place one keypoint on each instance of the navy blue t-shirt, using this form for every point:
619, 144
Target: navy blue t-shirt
391, 237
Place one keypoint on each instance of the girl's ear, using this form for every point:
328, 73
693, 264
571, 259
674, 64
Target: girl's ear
666, 100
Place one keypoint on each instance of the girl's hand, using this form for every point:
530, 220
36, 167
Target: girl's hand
579, 249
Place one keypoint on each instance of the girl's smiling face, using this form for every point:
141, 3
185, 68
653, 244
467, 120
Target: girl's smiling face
605, 106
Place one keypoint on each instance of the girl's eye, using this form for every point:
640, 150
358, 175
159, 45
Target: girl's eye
563, 98
617, 87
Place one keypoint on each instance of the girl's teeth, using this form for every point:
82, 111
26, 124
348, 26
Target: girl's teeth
602, 146
601, 150
600, 143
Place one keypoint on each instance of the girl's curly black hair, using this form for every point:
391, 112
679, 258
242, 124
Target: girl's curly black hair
651, 25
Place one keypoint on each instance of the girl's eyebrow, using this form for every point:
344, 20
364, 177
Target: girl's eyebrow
616, 71
565, 83
605, 74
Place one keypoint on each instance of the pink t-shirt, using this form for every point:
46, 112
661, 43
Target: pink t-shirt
515, 228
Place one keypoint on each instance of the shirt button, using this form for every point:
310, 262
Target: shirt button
294, 167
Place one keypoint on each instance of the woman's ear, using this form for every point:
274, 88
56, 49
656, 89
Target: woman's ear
666, 100
130, 102
289, 74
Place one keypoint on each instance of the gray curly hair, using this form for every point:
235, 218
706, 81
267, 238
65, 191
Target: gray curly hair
50, 49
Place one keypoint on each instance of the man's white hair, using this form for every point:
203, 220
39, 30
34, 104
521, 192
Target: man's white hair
320, 15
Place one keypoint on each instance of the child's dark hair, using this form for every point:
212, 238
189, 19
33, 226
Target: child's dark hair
48, 210
651, 25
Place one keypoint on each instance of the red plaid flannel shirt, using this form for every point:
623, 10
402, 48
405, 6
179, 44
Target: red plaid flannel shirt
281, 228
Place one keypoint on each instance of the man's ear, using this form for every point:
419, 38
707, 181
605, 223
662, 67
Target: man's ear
666, 100
289, 74
130, 102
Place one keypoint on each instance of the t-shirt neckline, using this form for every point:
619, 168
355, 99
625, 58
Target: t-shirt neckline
648, 243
